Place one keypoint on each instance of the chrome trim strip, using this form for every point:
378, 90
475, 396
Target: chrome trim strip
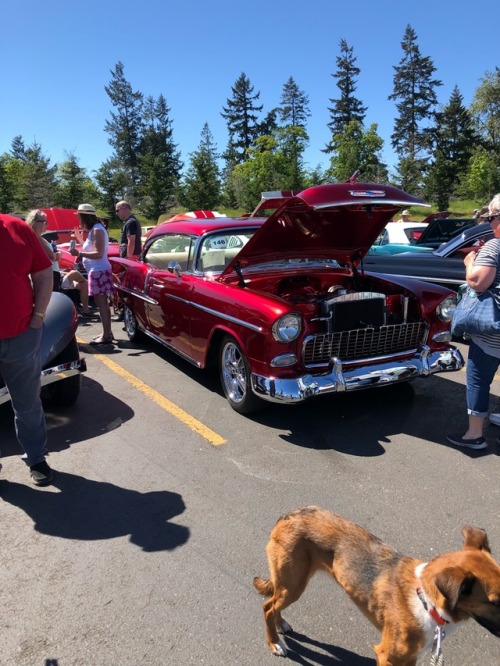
234, 320
137, 294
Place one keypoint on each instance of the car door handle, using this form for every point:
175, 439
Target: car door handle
158, 284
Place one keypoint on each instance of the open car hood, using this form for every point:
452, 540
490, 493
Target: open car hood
336, 221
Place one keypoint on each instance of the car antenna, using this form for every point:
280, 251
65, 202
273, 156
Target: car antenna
354, 177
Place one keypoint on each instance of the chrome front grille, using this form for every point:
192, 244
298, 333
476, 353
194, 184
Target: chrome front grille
363, 343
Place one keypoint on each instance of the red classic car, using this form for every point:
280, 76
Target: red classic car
282, 306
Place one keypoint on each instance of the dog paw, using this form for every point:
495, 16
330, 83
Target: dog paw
279, 649
285, 628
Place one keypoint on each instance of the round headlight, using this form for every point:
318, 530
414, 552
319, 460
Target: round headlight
287, 328
445, 309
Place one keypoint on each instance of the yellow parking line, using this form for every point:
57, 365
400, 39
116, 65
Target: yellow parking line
170, 407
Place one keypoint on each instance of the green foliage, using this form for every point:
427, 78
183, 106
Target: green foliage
455, 140
202, 185
125, 126
347, 107
73, 186
486, 110
414, 92
241, 116
358, 150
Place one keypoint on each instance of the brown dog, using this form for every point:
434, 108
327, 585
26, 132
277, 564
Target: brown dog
409, 601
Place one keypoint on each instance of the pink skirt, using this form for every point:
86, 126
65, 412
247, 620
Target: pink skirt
100, 283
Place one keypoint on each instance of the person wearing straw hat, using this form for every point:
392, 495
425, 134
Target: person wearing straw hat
94, 255
405, 216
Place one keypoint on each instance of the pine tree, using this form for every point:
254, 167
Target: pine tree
414, 92
485, 109
241, 116
294, 111
347, 107
202, 185
160, 164
35, 180
125, 126
455, 140
73, 185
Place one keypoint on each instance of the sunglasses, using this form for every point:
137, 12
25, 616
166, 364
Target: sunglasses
492, 218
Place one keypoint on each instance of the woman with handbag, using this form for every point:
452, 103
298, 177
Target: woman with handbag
482, 272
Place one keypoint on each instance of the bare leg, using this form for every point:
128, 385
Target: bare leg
104, 310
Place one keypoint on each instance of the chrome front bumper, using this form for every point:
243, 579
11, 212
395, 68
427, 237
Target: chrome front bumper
337, 380
50, 375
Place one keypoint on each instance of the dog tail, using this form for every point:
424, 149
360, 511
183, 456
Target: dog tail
264, 587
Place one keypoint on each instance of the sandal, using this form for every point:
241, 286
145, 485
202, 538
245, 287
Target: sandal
87, 315
101, 340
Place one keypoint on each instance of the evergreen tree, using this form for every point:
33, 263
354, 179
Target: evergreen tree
241, 116
294, 111
485, 109
270, 123
125, 126
160, 163
202, 185
414, 92
347, 107
455, 141
73, 184
114, 184
35, 180
6, 184
18, 150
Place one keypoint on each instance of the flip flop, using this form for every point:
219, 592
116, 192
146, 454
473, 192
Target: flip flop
101, 340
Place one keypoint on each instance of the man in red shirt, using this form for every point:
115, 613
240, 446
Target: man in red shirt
25, 288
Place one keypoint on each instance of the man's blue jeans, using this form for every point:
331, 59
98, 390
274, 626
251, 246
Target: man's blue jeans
481, 368
20, 368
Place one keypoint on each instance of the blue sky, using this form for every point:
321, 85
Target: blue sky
57, 56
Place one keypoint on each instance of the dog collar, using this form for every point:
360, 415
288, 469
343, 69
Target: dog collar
440, 621
430, 609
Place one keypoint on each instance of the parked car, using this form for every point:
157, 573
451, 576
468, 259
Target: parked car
61, 362
443, 266
281, 306
61, 223
437, 231
403, 233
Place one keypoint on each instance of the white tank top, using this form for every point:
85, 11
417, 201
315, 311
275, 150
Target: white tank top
101, 264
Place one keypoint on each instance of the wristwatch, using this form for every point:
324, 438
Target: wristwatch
39, 314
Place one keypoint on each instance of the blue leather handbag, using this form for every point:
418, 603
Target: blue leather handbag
477, 314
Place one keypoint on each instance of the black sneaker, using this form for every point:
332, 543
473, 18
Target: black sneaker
41, 474
478, 443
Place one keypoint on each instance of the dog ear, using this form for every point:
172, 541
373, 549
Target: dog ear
475, 538
454, 583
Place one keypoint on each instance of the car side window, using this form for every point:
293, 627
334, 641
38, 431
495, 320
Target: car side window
170, 248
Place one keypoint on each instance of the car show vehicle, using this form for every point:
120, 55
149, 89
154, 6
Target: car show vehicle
61, 362
437, 231
403, 233
443, 266
282, 305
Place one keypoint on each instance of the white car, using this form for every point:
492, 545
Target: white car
403, 233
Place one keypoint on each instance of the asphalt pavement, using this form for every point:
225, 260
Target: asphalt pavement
143, 550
